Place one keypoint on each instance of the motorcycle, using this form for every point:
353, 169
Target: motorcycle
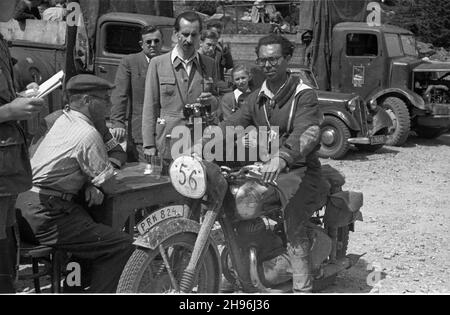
222, 229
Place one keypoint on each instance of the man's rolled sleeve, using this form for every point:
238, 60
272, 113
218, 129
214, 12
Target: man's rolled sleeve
307, 115
151, 106
93, 160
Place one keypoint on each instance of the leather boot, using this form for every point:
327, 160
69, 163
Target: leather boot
6, 268
302, 280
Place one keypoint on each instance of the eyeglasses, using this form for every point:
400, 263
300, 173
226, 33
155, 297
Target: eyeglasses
152, 41
273, 61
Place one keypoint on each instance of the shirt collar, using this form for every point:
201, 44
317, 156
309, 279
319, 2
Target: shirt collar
71, 113
176, 55
264, 89
238, 93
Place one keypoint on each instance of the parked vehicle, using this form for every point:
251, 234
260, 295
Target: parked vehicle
176, 251
348, 120
42, 48
380, 63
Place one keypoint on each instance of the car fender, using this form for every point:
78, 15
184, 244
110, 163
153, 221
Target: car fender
381, 120
345, 116
413, 98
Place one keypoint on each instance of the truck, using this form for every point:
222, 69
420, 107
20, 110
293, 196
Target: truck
348, 118
42, 48
358, 54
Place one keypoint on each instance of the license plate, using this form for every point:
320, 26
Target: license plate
381, 139
158, 216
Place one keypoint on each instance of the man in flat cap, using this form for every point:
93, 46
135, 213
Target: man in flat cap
70, 158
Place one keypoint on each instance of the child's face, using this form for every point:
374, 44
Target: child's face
241, 79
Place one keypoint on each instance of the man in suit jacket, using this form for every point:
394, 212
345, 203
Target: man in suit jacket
173, 80
128, 97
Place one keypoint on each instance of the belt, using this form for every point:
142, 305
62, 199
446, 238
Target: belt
54, 193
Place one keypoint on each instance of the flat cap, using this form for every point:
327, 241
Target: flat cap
87, 82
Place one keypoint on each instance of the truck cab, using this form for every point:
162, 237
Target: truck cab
118, 34
380, 63
42, 48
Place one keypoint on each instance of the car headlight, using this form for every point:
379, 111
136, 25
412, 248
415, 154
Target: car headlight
373, 105
352, 104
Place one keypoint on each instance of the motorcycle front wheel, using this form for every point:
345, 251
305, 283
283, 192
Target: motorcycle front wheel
146, 272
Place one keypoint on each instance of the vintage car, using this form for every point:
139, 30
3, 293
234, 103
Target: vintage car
347, 118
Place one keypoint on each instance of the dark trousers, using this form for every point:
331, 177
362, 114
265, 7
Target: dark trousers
7, 244
308, 198
135, 152
69, 227
7, 262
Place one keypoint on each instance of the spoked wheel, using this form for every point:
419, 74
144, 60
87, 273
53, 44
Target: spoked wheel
146, 271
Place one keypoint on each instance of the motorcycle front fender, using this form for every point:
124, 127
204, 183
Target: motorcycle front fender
166, 229
381, 120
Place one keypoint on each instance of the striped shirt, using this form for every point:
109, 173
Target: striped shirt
71, 154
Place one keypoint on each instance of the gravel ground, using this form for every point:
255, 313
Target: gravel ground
405, 233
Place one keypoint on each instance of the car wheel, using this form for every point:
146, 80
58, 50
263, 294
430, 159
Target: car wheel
334, 138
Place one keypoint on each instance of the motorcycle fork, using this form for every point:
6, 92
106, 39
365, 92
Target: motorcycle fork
240, 260
188, 277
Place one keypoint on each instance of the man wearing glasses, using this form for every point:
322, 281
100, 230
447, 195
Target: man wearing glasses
71, 162
284, 101
128, 97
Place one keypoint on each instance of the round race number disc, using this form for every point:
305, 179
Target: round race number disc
188, 177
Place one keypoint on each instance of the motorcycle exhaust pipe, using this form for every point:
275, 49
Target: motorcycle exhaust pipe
254, 276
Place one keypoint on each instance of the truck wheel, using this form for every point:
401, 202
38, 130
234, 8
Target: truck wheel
429, 133
145, 271
398, 111
334, 138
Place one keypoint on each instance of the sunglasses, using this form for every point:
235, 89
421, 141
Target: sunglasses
152, 41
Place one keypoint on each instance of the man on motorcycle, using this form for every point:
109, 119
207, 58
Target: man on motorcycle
286, 102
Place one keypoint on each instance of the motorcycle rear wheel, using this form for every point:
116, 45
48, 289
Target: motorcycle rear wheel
145, 271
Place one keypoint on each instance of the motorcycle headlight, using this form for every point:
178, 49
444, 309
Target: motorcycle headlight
352, 104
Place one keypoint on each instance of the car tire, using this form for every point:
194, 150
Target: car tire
398, 111
334, 138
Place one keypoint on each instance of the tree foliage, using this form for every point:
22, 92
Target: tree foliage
428, 19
